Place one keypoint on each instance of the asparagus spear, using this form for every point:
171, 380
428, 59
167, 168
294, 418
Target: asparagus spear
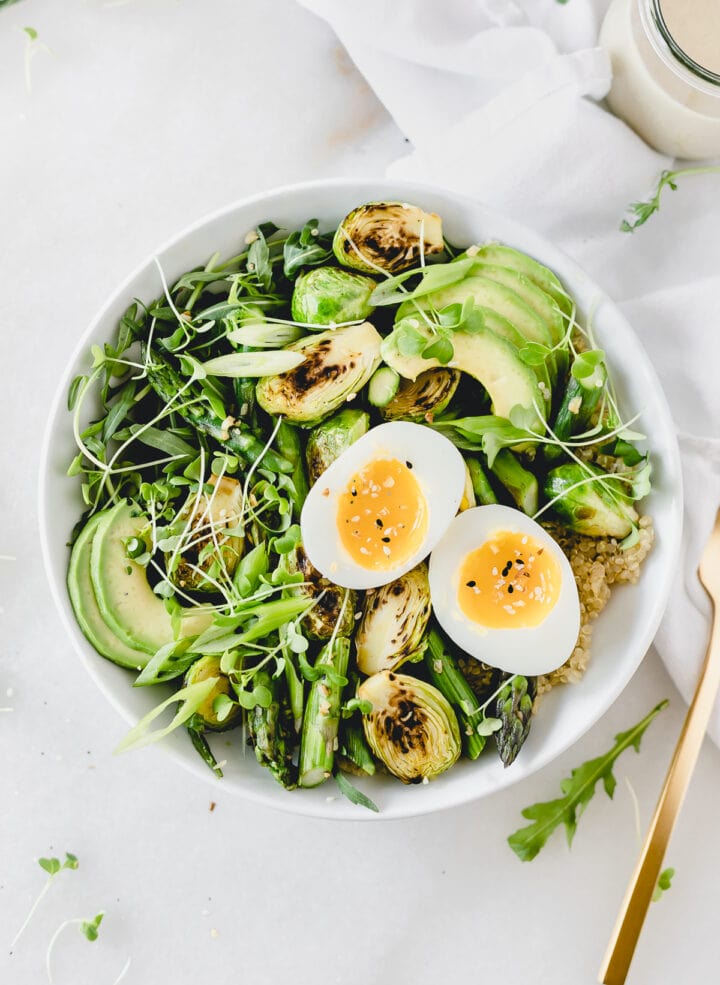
195, 730
514, 708
354, 753
268, 732
236, 437
480, 482
288, 442
448, 679
322, 715
521, 484
579, 403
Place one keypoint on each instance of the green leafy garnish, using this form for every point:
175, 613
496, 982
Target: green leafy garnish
89, 928
53, 867
578, 790
663, 884
641, 211
354, 795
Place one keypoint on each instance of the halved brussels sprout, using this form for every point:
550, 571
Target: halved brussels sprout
206, 716
330, 439
338, 363
412, 727
330, 296
320, 622
590, 508
394, 620
387, 235
207, 552
423, 397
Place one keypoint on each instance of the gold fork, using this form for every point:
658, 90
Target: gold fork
644, 879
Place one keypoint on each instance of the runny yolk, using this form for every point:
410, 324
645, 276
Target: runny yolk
382, 514
511, 582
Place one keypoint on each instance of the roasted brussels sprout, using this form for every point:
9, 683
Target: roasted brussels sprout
596, 509
330, 296
322, 619
208, 552
412, 727
330, 439
514, 708
387, 235
423, 397
206, 717
393, 623
338, 363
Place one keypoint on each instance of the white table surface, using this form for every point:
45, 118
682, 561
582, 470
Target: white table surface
147, 115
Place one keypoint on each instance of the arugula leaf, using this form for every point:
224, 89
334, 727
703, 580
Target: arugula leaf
578, 790
305, 248
640, 212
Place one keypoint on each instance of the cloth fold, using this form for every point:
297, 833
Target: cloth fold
500, 100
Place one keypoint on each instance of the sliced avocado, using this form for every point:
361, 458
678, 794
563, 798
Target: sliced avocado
126, 601
84, 603
491, 360
506, 330
534, 297
506, 256
498, 297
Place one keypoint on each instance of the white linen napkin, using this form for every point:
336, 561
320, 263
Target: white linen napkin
499, 101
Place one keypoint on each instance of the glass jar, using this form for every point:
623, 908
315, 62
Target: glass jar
665, 96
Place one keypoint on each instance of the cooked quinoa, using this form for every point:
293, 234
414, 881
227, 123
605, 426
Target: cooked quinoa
597, 564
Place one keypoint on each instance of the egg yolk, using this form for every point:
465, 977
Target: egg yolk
382, 514
510, 582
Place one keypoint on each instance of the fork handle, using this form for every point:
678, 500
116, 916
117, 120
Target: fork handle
640, 890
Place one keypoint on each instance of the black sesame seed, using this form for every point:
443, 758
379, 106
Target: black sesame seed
379, 523
385, 540
510, 589
409, 464
470, 584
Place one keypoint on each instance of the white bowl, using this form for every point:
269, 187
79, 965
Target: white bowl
624, 631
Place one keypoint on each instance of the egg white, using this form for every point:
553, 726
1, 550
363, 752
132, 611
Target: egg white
530, 651
437, 466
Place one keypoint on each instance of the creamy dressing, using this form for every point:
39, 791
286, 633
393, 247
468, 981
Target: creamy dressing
695, 26
673, 110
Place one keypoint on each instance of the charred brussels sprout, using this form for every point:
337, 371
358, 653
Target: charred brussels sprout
330, 439
420, 399
322, 619
394, 620
596, 509
206, 717
387, 235
412, 727
330, 296
337, 364
209, 550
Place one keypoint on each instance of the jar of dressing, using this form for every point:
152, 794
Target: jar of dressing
666, 72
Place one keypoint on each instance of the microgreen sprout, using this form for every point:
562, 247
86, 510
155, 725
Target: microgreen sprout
53, 867
33, 46
640, 212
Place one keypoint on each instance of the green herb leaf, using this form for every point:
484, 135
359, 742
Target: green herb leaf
663, 884
578, 790
89, 928
305, 248
50, 865
534, 354
31, 33
640, 212
190, 698
354, 795
74, 390
440, 349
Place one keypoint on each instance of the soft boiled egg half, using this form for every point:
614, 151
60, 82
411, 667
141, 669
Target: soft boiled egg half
383, 505
503, 589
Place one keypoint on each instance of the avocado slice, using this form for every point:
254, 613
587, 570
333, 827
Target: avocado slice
543, 277
84, 603
506, 330
134, 613
498, 297
491, 360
